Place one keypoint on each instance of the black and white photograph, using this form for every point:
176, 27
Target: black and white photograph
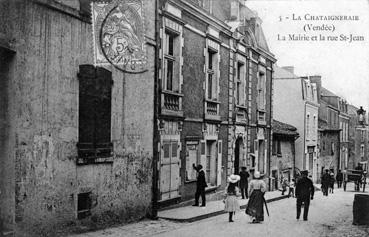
184, 118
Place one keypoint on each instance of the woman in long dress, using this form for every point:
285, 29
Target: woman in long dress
255, 206
231, 203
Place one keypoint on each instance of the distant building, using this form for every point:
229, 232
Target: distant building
358, 138
283, 152
295, 101
344, 120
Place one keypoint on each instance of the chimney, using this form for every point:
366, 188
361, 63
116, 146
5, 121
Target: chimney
318, 81
291, 69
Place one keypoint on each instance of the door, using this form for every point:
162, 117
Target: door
237, 152
169, 170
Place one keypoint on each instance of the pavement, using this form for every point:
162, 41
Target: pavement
175, 218
213, 208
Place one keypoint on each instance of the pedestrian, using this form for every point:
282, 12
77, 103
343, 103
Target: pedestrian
325, 182
339, 179
255, 206
284, 185
304, 192
291, 190
232, 191
200, 186
331, 182
244, 182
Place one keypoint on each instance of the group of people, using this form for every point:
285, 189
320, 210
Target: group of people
328, 179
289, 185
255, 191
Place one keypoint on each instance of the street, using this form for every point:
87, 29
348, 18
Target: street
328, 216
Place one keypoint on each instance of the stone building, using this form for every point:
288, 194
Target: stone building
209, 74
329, 131
344, 120
283, 152
295, 101
358, 138
76, 140
85, 144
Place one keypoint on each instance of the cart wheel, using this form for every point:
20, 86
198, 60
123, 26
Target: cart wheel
344, 186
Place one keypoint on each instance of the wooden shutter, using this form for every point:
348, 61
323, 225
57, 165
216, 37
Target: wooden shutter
203, 154
219, 163
103, 112
86, 120
94, 111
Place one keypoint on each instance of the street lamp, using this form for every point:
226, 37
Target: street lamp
361, 114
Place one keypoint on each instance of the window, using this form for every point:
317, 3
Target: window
314, 132
308, 126
84, 205
261, 90
362, 151
240, 83
171, 62
211, 82
192, 157
362, 136
332, 149
277, 147
95, 85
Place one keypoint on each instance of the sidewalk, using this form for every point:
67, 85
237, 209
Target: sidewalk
213, 208
172, 219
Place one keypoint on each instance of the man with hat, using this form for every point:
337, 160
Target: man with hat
200, 186
304, 192
244, 182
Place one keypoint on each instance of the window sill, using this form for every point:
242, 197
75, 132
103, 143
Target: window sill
190, 181
94, 160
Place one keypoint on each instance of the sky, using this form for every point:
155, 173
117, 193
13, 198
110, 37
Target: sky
343, 65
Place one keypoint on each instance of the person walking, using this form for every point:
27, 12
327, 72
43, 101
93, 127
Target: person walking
244, 182
331, 182
339, 179
231, 203
325, 182
200, 186
255, 206
291, 190
304, 192
284, 185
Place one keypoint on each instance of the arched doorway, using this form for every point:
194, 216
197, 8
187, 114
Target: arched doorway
237, 152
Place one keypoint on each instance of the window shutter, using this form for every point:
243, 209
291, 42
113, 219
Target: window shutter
219, 163
203, 153
103, 111
94, 112
87, 100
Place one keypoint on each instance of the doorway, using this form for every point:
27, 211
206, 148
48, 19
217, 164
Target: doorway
237, 152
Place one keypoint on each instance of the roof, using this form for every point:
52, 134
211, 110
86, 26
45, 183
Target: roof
284, 128
326, 92
281, 73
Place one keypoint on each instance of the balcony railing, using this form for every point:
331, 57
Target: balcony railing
212, 110
172, 103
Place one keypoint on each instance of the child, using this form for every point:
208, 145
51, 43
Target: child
284, 185
231, 203
292, 188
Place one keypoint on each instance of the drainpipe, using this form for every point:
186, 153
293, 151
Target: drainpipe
156, 135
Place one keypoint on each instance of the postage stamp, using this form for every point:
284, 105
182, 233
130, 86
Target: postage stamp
119, 35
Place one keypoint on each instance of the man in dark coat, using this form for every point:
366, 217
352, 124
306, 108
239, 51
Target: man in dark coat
200, 186
339, 179
326, 180
244, 182
304, 192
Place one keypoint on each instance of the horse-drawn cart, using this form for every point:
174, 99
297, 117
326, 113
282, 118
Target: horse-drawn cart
356, 176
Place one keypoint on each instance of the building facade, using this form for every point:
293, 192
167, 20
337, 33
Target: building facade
344, 120
283, 153
214, 80
358, 138
296, 103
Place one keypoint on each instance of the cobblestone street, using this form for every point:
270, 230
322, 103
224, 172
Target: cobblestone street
329, 216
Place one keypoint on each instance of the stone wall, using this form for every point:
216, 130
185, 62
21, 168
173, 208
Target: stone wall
50, 44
